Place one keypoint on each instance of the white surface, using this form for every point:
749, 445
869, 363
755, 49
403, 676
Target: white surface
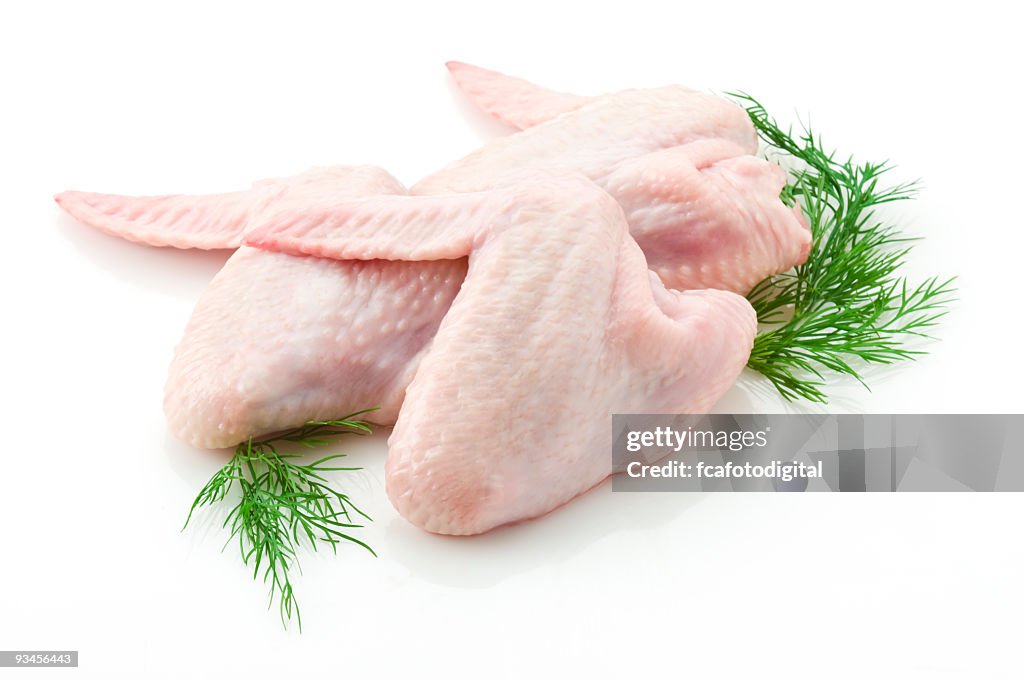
196, 98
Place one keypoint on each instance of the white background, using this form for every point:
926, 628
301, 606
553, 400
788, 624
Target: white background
196, 97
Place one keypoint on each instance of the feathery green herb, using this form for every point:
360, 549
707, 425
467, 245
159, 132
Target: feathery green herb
848, 302
281, 501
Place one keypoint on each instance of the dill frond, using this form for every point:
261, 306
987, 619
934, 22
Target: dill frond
282, 503
847, 304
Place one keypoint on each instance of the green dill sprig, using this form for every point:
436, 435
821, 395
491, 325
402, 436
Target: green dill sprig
281, 502
848, 302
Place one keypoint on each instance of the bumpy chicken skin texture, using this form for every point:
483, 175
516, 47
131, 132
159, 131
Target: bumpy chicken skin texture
256, 357
558, 325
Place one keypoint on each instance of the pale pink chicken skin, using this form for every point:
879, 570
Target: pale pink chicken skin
218, 395
277, 340
514, 101
558, 325
700, 212
211, 222
566, 133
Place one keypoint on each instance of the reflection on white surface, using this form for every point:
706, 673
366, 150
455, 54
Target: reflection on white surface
168, 271
486, 560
